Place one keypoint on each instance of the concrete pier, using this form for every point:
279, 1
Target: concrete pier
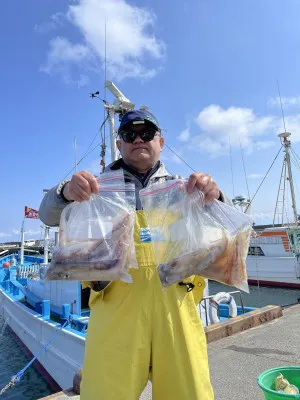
236, 359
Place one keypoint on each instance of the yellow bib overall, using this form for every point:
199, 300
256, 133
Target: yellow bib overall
138, 328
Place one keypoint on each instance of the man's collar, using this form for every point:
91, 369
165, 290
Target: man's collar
116, 165
121, 164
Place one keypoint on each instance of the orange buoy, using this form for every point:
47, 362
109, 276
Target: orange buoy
6, 264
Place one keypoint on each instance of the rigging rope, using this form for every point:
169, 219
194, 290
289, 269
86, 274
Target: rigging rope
89, 152
263, 179
295, 182
179, 157
231, 168
294, 154
248, 191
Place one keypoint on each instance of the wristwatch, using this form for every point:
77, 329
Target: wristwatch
60, 188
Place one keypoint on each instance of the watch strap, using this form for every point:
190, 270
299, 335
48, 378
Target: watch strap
60, 188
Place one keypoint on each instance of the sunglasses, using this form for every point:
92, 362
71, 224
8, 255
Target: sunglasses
129, 136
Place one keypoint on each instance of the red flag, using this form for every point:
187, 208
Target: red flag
31, 213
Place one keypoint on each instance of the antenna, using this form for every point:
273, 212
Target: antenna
281, 106
103, 133
104, 63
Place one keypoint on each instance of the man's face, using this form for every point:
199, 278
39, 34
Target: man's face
140, 154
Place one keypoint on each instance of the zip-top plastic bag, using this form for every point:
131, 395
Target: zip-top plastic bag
210, 240
96, 236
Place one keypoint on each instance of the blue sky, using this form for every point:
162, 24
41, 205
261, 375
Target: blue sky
207, 70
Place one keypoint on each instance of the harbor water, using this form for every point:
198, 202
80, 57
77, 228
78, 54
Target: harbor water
32, 385
260, 296
12, 359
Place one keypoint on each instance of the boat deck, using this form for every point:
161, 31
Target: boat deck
236, 361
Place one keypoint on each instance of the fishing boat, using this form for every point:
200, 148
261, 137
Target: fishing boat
36, 310
274, 252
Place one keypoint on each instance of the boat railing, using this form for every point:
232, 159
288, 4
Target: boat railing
204, 300
25, 270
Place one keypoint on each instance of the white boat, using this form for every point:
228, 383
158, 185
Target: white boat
273, 257
35, 312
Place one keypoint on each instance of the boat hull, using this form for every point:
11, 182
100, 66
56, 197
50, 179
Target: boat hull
292, 284
62, 358
273, 271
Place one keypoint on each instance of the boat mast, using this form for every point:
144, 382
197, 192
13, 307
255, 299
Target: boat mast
286, 143
46, 244
22, 243
120, 106
113, 146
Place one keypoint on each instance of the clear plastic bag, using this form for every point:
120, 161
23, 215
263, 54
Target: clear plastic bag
96, 236
198, 239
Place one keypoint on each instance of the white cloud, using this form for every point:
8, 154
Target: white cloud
265, 144
184, 135
234, 126
55, 21
4, 234
61, 53
255, 176
208, 145
27, 232
286, 101
292, 123
33, 232
82, 81
129, 37
235, 122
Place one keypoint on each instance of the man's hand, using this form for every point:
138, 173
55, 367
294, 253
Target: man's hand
206, 184
81, 186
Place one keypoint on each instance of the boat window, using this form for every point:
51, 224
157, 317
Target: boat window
298, 237
292, 239
255, 251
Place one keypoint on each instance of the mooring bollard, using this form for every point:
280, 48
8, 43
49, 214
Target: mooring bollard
76, 381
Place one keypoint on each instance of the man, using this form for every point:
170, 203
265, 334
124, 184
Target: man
139, 327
